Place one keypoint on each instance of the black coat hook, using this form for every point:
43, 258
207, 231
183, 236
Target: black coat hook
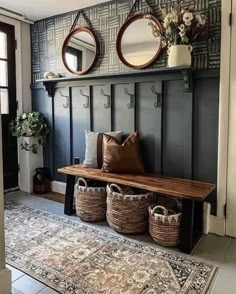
67, 104
157, 104
131, 104
108, 104
86, 105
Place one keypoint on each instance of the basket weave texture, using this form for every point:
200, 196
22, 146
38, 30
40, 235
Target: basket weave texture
127, 213
90, 202
164, 225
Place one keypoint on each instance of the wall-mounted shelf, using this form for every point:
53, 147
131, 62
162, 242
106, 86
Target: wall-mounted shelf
186, 72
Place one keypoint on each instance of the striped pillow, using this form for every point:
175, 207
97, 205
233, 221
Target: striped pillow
93, 151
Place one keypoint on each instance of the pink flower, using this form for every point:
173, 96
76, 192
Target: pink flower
187, 18
201, 21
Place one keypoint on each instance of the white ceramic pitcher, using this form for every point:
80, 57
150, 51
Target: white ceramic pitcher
180, 55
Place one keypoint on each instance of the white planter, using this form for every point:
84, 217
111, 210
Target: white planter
28, 163
180, 55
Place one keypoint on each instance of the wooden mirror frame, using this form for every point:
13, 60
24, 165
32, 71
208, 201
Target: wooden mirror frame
66, 42
122, 31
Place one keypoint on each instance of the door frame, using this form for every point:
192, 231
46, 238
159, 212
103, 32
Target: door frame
23, 82
231, 207
217, 224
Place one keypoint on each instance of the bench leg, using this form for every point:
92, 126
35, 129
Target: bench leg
191, 225
69, 197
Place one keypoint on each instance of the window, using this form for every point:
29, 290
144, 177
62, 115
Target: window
4, 98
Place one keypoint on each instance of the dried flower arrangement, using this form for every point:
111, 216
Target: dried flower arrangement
183, 26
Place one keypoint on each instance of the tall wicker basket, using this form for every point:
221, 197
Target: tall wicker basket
164, 225
127, 213
90, 202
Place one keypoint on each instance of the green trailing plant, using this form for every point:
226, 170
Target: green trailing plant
30, 124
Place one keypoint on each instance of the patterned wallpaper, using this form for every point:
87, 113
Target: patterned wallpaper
106, 19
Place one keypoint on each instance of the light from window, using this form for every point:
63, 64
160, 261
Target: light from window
3, 45
3, 74
4, 101
72, 60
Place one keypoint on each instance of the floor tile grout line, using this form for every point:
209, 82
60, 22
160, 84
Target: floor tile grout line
18, 278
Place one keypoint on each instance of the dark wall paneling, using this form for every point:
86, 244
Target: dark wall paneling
177, 130
101, 106
123, 105
81, 118
62, 132
206, 105
149, 124
44, 104
106, 19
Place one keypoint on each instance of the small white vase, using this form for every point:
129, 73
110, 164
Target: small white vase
180, 55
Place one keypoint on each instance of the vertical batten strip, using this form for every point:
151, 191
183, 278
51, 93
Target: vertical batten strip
71, 126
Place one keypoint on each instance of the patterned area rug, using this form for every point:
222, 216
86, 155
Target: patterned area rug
75, 258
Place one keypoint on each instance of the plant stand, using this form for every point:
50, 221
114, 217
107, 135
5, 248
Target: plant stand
28, 163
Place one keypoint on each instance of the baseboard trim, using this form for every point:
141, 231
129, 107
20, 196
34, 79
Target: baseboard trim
212, 224
58, 187
217, 225
5, 281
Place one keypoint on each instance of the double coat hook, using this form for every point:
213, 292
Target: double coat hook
158, 103
86, 105
108, 104
67, 104
131, 104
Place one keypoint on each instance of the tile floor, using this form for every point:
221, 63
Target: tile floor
218, 250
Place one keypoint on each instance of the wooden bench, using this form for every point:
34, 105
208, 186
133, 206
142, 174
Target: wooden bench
192, 193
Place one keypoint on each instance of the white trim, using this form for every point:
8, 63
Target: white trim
212, 224
223, 113
17, 26
217, 225
23, 74
14, 15
19, 94
58, 187
5, 281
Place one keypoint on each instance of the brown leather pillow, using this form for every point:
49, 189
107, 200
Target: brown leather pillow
122, 158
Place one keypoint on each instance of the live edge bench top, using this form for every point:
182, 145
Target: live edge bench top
175, 187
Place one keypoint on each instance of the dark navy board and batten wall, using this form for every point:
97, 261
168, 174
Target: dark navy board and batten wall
179, 138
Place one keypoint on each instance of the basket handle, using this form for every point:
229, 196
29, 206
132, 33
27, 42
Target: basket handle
83, 181
164, 210
112, 186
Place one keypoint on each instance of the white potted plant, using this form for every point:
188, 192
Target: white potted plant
182, 27
30, 125
32, 129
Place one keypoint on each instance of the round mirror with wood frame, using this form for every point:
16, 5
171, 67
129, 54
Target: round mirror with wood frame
80, 51
139, 41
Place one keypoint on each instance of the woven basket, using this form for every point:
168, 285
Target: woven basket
90, 202
127, 213
164, 225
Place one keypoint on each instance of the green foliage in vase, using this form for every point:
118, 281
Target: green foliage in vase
30, 124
